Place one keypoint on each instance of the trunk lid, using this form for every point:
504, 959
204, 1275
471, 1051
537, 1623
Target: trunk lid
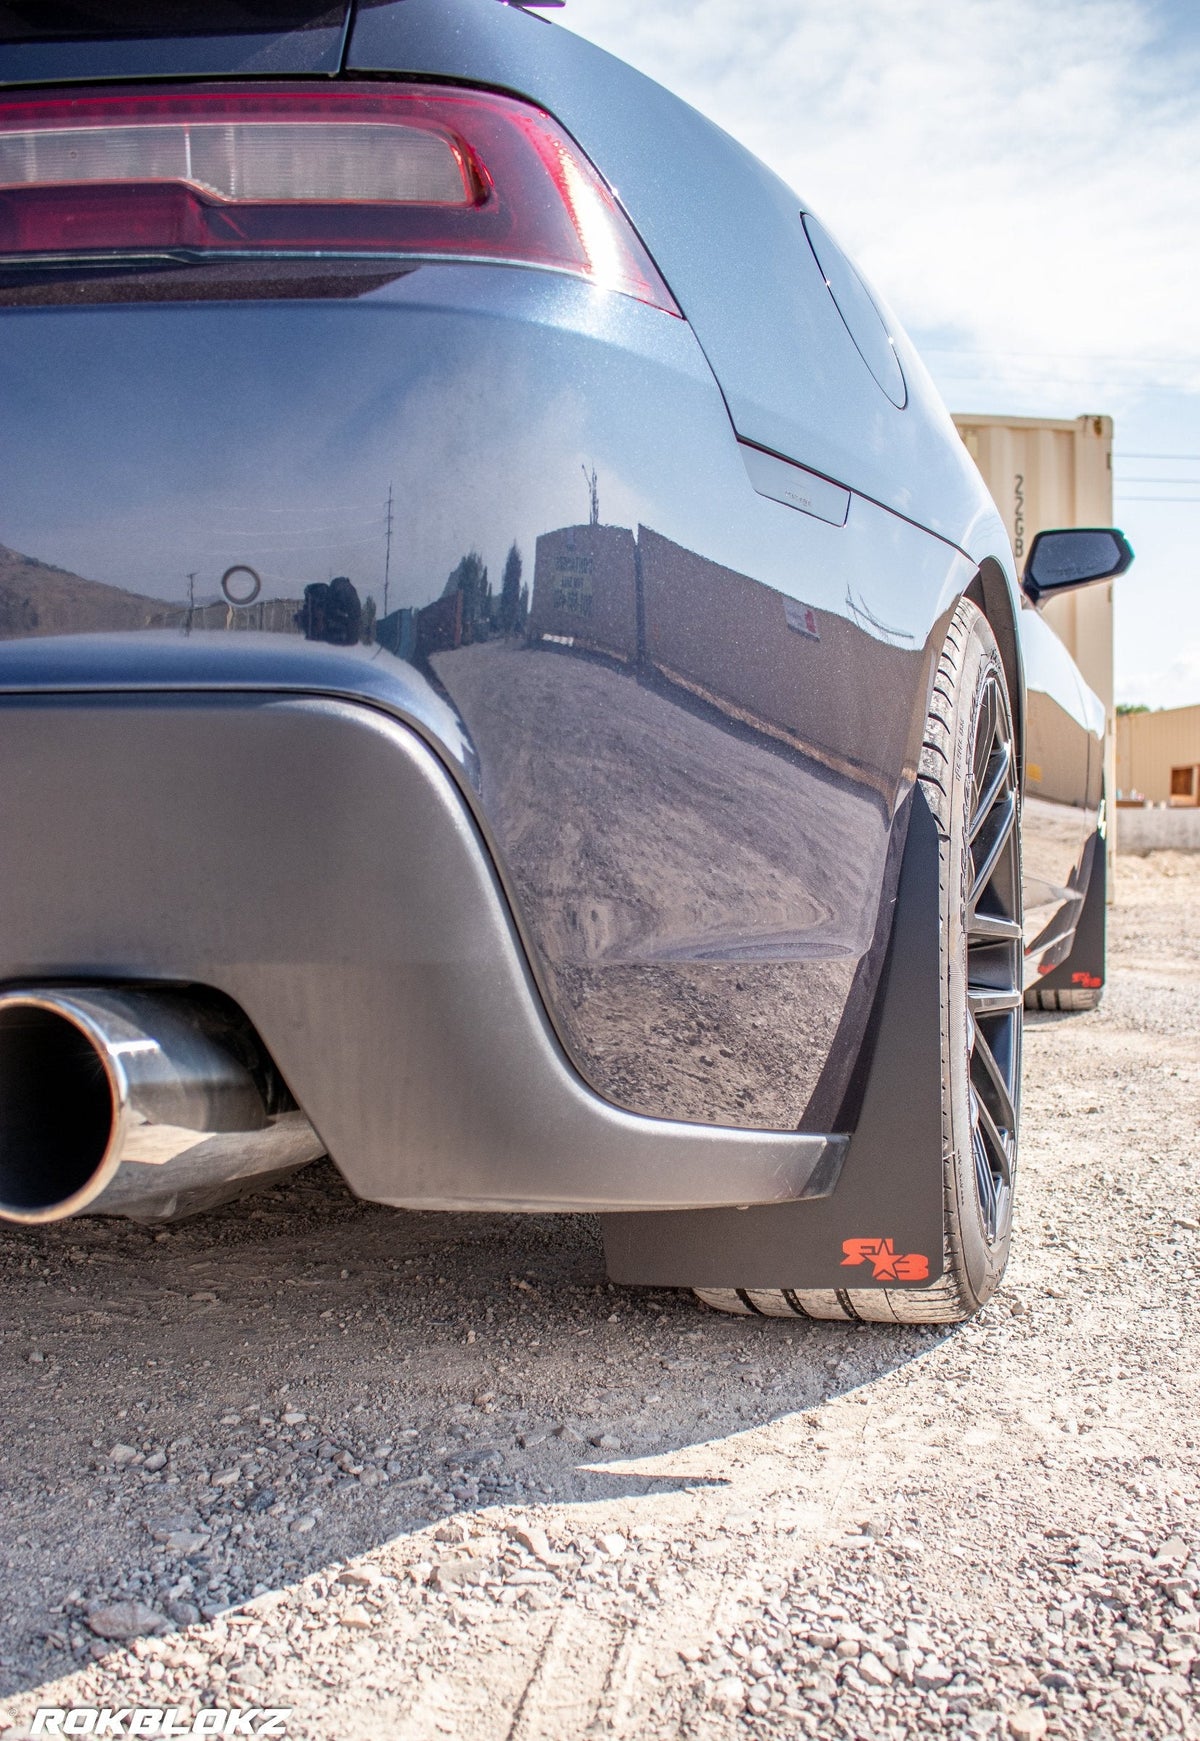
64, 41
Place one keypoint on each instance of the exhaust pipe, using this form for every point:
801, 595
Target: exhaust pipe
136, 1103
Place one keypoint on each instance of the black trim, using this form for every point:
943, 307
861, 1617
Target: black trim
891, 1184
1088, 947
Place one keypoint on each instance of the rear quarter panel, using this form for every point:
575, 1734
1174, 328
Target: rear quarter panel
727, 235
688, 768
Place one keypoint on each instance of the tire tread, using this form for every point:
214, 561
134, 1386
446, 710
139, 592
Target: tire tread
1068, 998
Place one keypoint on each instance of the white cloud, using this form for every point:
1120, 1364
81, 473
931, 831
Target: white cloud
1173, 684
1021, 178
1018, 176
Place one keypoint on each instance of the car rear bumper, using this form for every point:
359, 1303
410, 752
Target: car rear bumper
313, 859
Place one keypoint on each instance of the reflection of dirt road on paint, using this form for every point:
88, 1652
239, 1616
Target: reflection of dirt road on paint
699, 901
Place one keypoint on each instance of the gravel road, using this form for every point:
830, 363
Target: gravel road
417, 1476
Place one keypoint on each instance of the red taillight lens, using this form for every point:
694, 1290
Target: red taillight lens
408, 170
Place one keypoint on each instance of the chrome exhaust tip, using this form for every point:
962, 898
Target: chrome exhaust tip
58, 1112
126, 1102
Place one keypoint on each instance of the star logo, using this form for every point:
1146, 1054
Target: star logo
887, 1264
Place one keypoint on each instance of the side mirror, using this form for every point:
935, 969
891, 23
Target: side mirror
1059, 560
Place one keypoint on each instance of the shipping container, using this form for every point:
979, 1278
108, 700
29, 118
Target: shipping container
1046, 472
1158, 757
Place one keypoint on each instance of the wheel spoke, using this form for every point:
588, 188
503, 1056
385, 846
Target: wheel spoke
991, 928
994, 943
984, 1001
983, 873
986, 1182
995, 1141
994, 787
985, 732
983, 1054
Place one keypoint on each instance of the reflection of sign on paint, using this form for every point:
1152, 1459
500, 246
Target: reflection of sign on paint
584, 585
802, 618
573, 582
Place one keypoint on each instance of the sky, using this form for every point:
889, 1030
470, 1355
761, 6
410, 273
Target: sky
1021, 180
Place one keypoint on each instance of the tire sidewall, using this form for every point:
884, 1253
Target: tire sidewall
980, 1260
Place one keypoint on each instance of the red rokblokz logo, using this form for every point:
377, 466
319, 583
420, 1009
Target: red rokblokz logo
887, 1264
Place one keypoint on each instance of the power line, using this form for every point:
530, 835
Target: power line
291, 549
1194, 500
1124, 358
1185, 456
1008, 379
365, 508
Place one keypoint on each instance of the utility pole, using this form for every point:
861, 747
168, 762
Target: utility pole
593, 484
387, 560
191, 580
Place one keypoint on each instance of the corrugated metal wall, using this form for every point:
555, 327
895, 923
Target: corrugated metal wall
1149, 745
1047, 472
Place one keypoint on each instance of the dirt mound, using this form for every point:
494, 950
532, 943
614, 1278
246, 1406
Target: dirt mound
38, 599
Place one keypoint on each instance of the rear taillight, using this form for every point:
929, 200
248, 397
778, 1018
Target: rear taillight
401, 170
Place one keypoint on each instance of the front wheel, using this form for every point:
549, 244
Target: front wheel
969, 778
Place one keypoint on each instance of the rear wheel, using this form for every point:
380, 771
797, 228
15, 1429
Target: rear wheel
968, 775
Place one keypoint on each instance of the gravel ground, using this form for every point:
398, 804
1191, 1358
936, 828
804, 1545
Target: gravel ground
418, 1476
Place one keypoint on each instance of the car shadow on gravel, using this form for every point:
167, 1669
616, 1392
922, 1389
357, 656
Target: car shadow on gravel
199, 1414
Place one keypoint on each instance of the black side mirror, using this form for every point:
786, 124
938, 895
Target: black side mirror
1059, 560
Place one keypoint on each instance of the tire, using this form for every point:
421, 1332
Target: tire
968, 775
1071, 998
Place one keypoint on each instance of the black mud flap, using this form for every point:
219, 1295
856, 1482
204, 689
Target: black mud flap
1082, 968
882, 1225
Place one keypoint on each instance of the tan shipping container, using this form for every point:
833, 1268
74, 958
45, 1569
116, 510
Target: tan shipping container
1045, 472
585, 588
1158, 756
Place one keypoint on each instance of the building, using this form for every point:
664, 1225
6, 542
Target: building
1043, 473
1158, 757
769, 661
585, 589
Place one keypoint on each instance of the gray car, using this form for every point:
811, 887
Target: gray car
508, 676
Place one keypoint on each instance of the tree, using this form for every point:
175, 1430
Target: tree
1124, 707
510, 617
470, 577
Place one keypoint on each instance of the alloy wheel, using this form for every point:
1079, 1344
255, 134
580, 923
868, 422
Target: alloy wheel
994, 959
